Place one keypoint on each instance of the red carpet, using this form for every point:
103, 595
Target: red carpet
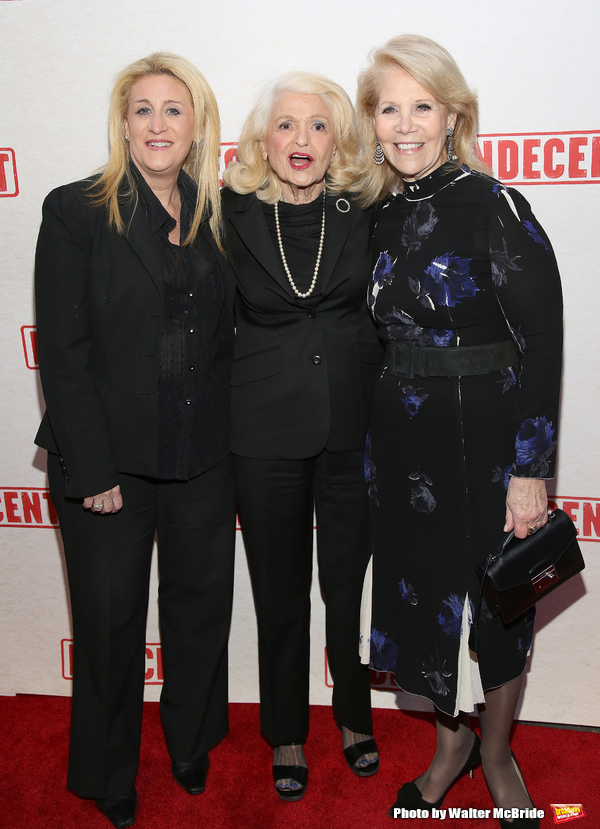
560, 766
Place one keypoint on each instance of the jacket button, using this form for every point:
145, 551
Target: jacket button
64, 469
311, 314
316, 359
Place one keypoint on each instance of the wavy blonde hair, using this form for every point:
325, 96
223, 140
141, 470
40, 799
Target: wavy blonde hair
435, 69
202, 160
253, 174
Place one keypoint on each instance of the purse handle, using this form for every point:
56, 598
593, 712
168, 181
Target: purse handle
508, 537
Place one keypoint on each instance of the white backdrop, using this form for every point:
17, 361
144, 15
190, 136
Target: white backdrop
534, 63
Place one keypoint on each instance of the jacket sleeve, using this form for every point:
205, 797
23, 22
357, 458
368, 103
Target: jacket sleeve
65, 343
527, 285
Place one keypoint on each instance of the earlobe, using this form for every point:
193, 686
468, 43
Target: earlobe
263, 152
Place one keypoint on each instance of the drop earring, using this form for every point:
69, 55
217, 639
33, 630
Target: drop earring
450, 134
379, 155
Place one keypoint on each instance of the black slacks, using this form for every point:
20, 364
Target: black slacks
108, 564
275, 503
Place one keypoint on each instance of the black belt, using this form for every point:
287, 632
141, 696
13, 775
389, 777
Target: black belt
407, 360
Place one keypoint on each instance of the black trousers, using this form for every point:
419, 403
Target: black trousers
108, 564
275, 503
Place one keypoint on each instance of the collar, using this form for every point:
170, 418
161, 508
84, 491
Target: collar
428, 186
241, 202
157, 216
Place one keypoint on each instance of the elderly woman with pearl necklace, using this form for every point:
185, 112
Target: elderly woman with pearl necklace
305, 360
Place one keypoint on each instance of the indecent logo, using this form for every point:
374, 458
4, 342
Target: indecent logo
29, 507
584, 512
226, 156
543, 157
29, 339
9, 182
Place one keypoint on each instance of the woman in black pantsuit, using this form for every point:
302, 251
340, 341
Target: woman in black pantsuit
306, 355
135, 331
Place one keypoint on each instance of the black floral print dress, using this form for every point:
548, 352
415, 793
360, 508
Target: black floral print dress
460, 260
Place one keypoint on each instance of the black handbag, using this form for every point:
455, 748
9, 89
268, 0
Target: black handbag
523, 570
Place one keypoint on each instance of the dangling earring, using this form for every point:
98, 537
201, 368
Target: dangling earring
450, 134
379, 155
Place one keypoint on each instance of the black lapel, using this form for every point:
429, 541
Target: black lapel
248, 220
137, 234
339, 217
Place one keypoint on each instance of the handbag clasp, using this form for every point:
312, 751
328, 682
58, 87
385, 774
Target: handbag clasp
544, 579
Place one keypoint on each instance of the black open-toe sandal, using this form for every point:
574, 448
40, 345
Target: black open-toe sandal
297, 774
356, 752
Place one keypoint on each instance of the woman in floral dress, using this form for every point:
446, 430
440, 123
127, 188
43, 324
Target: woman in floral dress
466, 293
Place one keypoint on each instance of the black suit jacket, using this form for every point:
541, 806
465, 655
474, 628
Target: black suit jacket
99, 306
303, 369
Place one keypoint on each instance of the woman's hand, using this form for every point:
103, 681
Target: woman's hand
105, 502
526, 506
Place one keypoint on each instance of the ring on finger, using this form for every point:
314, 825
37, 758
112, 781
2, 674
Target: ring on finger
97, 507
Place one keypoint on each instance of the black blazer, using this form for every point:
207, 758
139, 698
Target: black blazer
99, 306
303, 369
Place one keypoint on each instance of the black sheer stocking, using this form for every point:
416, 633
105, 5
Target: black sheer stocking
502, 774
454, 743
288, 756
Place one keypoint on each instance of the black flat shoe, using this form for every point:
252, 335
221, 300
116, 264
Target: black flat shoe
191, 776
120, 810
356, 752
297, 774
410, 797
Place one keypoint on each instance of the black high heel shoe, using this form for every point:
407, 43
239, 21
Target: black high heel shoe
521, 822
410, 797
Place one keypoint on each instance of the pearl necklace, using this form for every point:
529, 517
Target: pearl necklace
283, 259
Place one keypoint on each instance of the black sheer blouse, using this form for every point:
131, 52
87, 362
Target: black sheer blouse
193, 295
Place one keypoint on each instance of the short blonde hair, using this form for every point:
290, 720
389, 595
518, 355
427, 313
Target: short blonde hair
202, 160
435, 69
251, 173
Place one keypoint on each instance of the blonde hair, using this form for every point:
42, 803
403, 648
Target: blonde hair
251, 173
202, 160
435, 69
